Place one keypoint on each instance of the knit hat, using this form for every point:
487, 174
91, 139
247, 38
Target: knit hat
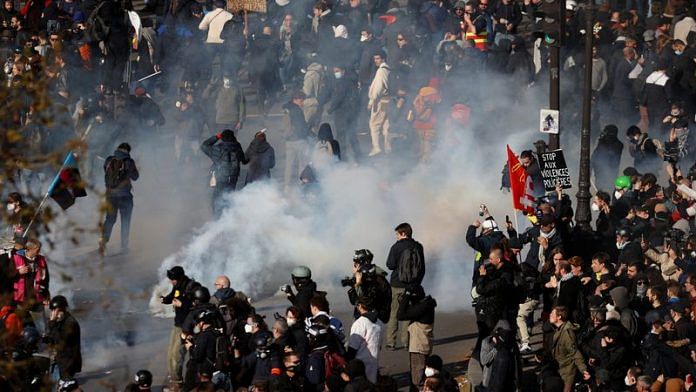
175, 273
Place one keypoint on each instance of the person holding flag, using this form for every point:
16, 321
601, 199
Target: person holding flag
119, 171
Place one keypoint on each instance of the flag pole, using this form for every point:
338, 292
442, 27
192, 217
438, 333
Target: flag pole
55, 182
517, 227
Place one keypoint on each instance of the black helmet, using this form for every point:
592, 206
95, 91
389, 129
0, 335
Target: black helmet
175, 273
624, 232
363, 256
207, 316
58, 302
263, 340
31, 336
201, 295
143, 378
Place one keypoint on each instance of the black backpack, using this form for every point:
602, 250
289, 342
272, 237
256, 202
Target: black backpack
227, 169
411, 266
115, 172
223, 352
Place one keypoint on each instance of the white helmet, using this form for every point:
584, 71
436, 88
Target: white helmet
571, 5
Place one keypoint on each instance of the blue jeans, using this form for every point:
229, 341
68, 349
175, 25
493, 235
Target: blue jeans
124, 206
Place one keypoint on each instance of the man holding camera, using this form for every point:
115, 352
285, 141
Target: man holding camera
419, 311
369, 281
63, 335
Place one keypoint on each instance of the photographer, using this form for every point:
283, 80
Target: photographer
369, 281
490, 235
305, 286
64, 338
419, 311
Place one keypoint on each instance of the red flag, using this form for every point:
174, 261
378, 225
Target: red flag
521, 185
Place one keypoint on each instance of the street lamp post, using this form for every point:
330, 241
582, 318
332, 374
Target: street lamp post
583, 215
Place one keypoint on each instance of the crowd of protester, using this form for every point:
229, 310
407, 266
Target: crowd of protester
615, 305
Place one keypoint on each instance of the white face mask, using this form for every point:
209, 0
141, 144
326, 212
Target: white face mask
291, 322
594, 207
248, 328
610, 307
429, 372
621, 245
338, 75
618, 194
448, 67
226, 83
10, 207
363, 38
196, 330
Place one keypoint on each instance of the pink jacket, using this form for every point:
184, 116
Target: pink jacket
40, 278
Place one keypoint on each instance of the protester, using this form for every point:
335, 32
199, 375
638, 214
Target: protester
120, 170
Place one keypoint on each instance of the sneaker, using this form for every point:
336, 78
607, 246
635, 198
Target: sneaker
525, 349
374, 152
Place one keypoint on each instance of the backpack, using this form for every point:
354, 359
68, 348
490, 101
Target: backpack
223, 352
115, 172
411, 266
333, 364
228, 317
95, 28
227, 169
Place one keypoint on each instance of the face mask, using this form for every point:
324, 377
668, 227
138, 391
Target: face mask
691, 211
618, 194
629, 382
291, 322
594, 207
10, 207
678, 52
621, 245
363, 38
429, 372
247, 328
338, 75
291, 369
610, 307
262, 354
196, 330
674, 113
448, 67
226, 83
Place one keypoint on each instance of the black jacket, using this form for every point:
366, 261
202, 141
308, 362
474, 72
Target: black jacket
395, 255
224, 154
303, 296
530, 236
183, 291
378, 290
261, 158
494, 290
203, 349
482, 244
422, 311
65, 338
297, 125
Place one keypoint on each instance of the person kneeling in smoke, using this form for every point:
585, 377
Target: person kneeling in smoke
369, 281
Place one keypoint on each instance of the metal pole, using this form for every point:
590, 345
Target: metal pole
554, 86
583, 215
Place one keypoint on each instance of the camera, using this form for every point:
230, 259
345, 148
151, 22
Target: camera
285, 288
348, 282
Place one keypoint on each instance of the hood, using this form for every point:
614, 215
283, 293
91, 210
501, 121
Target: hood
120, 154
372, 316
259, 146
325, 133
620, 297
223, 294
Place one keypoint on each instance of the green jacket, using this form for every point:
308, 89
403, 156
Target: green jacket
566, 353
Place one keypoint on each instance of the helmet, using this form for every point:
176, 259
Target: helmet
301, 272
143, 378
175, 273
207, 316
317, 334
263, 340
363, 256
31, 336
624, 232
58, 302
202, 295
623, 182
571, 5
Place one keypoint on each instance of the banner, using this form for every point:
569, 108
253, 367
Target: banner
521, 185
247, 5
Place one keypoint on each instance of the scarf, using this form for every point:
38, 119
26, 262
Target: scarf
542, 255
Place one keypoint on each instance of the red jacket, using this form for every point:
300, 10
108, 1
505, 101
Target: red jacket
13, 326
39, 279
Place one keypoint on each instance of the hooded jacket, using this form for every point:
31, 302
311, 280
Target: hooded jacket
261, 158
227, 156
566, 353
125, 186
183, 291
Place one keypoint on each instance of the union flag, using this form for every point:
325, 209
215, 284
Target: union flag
521, 185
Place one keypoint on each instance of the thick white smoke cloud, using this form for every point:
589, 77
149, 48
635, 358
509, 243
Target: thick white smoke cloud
263, 234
